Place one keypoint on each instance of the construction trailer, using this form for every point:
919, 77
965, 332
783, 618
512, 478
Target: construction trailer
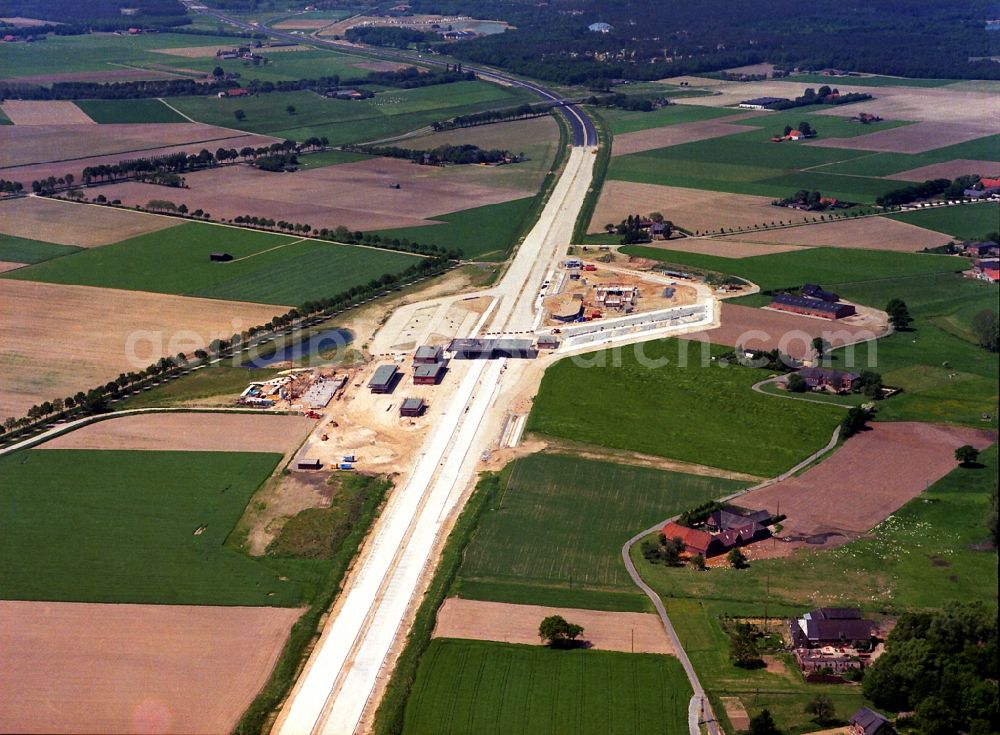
412, 407
489, 349
547, 342
384, 379
309, 464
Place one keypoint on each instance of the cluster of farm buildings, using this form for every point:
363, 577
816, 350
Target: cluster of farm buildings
723, 530
813, 300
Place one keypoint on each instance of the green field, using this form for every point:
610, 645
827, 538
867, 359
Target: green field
268, 268
554, 535
883, 164
969, 222
481, 233
928, 552
123, 527
129, 111
97, 52
345, 121
474, 686
944, 374
817, 265
4, 120
281, 65
675, 402
21, 250
626, 121
749, 163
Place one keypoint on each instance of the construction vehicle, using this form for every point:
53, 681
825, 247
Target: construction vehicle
348, 458
345, 466
324, 438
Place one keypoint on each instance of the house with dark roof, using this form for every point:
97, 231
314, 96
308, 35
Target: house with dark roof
981, 249
869, 722
828, 380
815, 291
832, 626
724, 530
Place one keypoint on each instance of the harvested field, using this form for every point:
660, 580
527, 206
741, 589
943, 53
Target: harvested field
22, 148
723, 247
8, 266
56, 340
508, 623
736, 712
49, 112
764, 329
917, 138
870, 233
72, 667
194, 432
304, 24
21, 22
646, 140
68, 223
356, 195
948, 170
836, 500
208, 52
692, 209
514, 136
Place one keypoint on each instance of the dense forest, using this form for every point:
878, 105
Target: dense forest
651, 39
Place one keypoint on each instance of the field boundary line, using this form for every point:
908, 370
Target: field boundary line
269, 250
186, 117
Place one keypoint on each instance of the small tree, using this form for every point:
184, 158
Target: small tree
820, 345
966, 455
672, 550
218, 72
239, 115
821, 708
737, 559
655, 217
899, 315
763, 724
853, 422
290, 109
796, 383
986, 327
743, 649
698, 562
556, 631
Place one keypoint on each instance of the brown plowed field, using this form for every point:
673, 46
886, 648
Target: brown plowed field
191, 432
88, 668
6, 265
723, 247
356, 195
949, 170
56, 340
69, 223
49, 112
865, 480
509, 623
23, 147
647, 140
917, 138
692, 209
763, 329
870, 233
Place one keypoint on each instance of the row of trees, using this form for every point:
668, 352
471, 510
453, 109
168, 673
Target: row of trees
486, 117
97, 399
825, 96
945, 188
466, 153
11, 187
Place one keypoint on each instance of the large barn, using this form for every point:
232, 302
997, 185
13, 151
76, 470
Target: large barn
811, 307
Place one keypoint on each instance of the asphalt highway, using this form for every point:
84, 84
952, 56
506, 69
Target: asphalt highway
582, 128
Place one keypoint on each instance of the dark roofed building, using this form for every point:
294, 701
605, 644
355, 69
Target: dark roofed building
869, 722
427, 354
384, 379
814, 291
811, 307
832, 626
761, 103
220, 257
835, 380
412, 407
472, 349
428, 374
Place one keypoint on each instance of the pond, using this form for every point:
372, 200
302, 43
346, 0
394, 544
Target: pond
265, 355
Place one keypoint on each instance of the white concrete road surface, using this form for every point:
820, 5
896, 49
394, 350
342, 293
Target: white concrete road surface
340, 676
